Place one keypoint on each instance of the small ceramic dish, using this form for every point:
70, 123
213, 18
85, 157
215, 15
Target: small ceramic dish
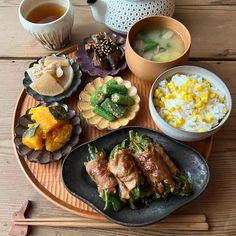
184, 135
86, 110
86, 63
79, 184
43, 156
48, 99
136, 63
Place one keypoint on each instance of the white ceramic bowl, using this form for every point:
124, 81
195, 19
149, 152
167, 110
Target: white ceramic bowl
53, 35
179, 134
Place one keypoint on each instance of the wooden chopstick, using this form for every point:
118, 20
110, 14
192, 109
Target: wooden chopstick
175, 222
188, 218
108, 225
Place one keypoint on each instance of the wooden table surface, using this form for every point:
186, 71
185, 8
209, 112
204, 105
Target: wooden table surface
212, 24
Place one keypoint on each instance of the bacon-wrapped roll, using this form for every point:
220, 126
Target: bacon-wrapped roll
96, 168
159, 170
124, 168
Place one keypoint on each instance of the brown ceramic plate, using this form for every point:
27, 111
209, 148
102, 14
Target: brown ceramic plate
43, 156
147, 69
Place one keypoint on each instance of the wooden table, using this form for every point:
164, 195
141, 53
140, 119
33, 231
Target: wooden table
212, 26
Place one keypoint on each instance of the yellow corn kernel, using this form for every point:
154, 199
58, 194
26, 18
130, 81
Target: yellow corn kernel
206, 82
198, 88
157, 93
178, 90
172, 89
198, 104
208, 118
198, 117
161, 104
204, 97
225, 110
181, 121
172, 109
175, 125
178, 123
163, 99
190, 96
194, 81
169, 118
203, 107
156, 101
195, 112
208, 88
178, 107
222, 99
186, 97
168, 96
197, 99
183, 87
201, 130
166, 112
213, 95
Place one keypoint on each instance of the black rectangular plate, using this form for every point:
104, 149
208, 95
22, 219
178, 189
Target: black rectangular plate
79, 184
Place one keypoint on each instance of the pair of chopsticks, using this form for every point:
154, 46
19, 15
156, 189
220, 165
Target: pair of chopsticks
196, 222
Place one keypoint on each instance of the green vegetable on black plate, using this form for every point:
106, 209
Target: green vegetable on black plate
107, 198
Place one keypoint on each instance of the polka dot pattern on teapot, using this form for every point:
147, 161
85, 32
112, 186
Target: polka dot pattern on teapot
122, 14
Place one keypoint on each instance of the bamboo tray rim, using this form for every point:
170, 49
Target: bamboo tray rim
33, 180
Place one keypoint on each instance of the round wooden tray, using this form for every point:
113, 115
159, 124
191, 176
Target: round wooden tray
46, 178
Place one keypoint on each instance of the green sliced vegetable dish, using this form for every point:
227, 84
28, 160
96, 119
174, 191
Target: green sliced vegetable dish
111, 100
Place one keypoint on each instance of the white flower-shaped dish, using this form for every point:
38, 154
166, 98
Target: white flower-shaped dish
86, 110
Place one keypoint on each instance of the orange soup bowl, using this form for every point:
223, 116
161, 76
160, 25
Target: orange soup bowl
147, 69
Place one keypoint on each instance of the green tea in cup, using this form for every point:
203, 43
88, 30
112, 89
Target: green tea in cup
46, 13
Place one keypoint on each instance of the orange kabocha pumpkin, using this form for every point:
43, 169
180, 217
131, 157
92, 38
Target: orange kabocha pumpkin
56, 138
33, 137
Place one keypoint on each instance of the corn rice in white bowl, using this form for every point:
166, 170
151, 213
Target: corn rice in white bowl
189, 103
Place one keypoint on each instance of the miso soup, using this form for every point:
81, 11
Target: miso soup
160, 45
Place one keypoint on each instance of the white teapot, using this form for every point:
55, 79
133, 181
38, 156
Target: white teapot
119, 15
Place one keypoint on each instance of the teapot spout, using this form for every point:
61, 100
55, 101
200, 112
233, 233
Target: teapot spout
98, 8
